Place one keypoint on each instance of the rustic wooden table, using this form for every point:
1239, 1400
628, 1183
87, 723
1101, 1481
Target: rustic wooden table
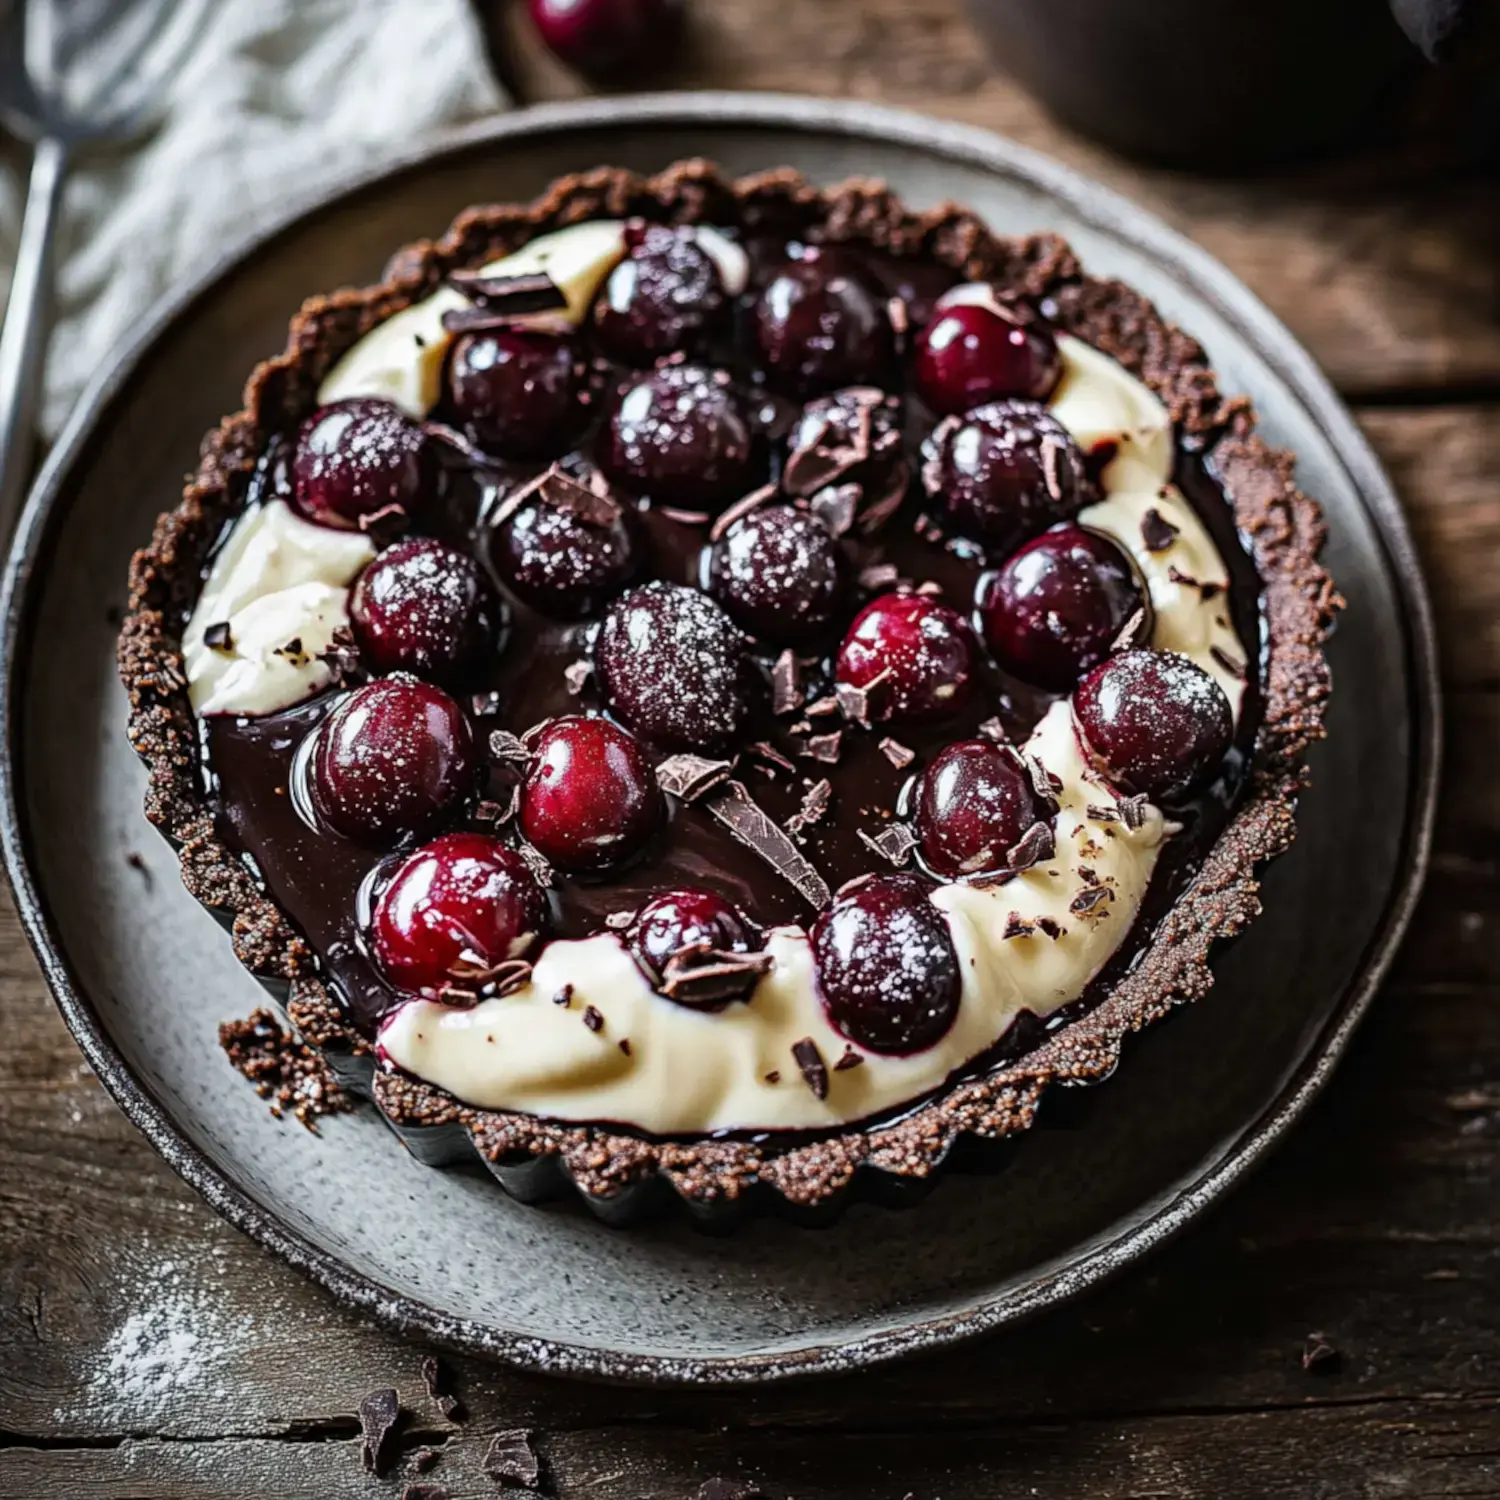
148, 1350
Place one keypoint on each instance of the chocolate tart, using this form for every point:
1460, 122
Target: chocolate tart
1268, 533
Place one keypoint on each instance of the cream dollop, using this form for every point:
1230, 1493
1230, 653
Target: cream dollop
281, 587
1021, 945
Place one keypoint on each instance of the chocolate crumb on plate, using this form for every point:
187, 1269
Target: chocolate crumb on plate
379, 1416
283, 1068
512, 1460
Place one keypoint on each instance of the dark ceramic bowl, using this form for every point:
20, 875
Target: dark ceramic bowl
143, 978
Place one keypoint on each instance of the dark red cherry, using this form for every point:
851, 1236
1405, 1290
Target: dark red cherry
665, 296
850, 437
683, 435
425, 608
1058, 605
689, 922
589, 801
979, 347
972, 805
356, 457
392, 759
780, 574
1004, 472
604, 38
913, 656
821, 322
516, 390
675, 668
1152, 721
457, 907
887, 968
567, 560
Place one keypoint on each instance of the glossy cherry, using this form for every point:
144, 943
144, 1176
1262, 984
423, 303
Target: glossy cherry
674, 667
604, 38
979, 347
972, 805
1003, 472
1153, 721
589, 801
564, 561
392, 759
425, 608
886, 965
665, 296
913, 656
821, 322
683, 435
516, 390
780, 575
356, 457
682, 921
455, 908
1058, 605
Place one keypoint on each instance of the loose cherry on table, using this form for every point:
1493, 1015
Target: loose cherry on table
1004, 471
780, 574
564, 561
1153, 722
356, 457
589, 801
1058, 605
886, 965
675, 668
687, 921
821, 322
683, 435
665, 296
604, 38
425, 608
516, 389
456, 908
979, 347
913, 656
973, 803
391, 760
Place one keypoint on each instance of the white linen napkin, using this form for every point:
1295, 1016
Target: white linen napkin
277, 98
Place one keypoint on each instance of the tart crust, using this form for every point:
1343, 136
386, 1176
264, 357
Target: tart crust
531, 1156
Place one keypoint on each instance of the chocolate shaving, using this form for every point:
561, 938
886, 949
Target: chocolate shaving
821, 708
774, 1076
440, 1387
1157, 532
894, 843
509, 749
624, 1045
1017, 926
1101, 814
993, 729
764, 750
618, 921
738, 811
684, 517
533, 292
739, 510
836, 507
512, 1460
897, 753
451, 441
1225, 660
383, 526
593, 1019
702, 976
564, 997
1050, 926
824, 747
507, 975
786, 683
850, 1059
459, 996
815, 803
1133, 810
1043, 783
523, 494
217, 637
691, 776
877, 512
855, 701
292, 651
482, 705
576, 675
1087, 902
536, 862
879, 577
1132, 632
379, 1415
1036, 844
814, 1070
1320, 1353
586, 502
1052, 446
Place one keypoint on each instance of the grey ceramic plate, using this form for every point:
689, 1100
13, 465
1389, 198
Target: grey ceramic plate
143, 976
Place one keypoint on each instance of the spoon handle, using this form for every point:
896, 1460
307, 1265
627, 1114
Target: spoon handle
23, 340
